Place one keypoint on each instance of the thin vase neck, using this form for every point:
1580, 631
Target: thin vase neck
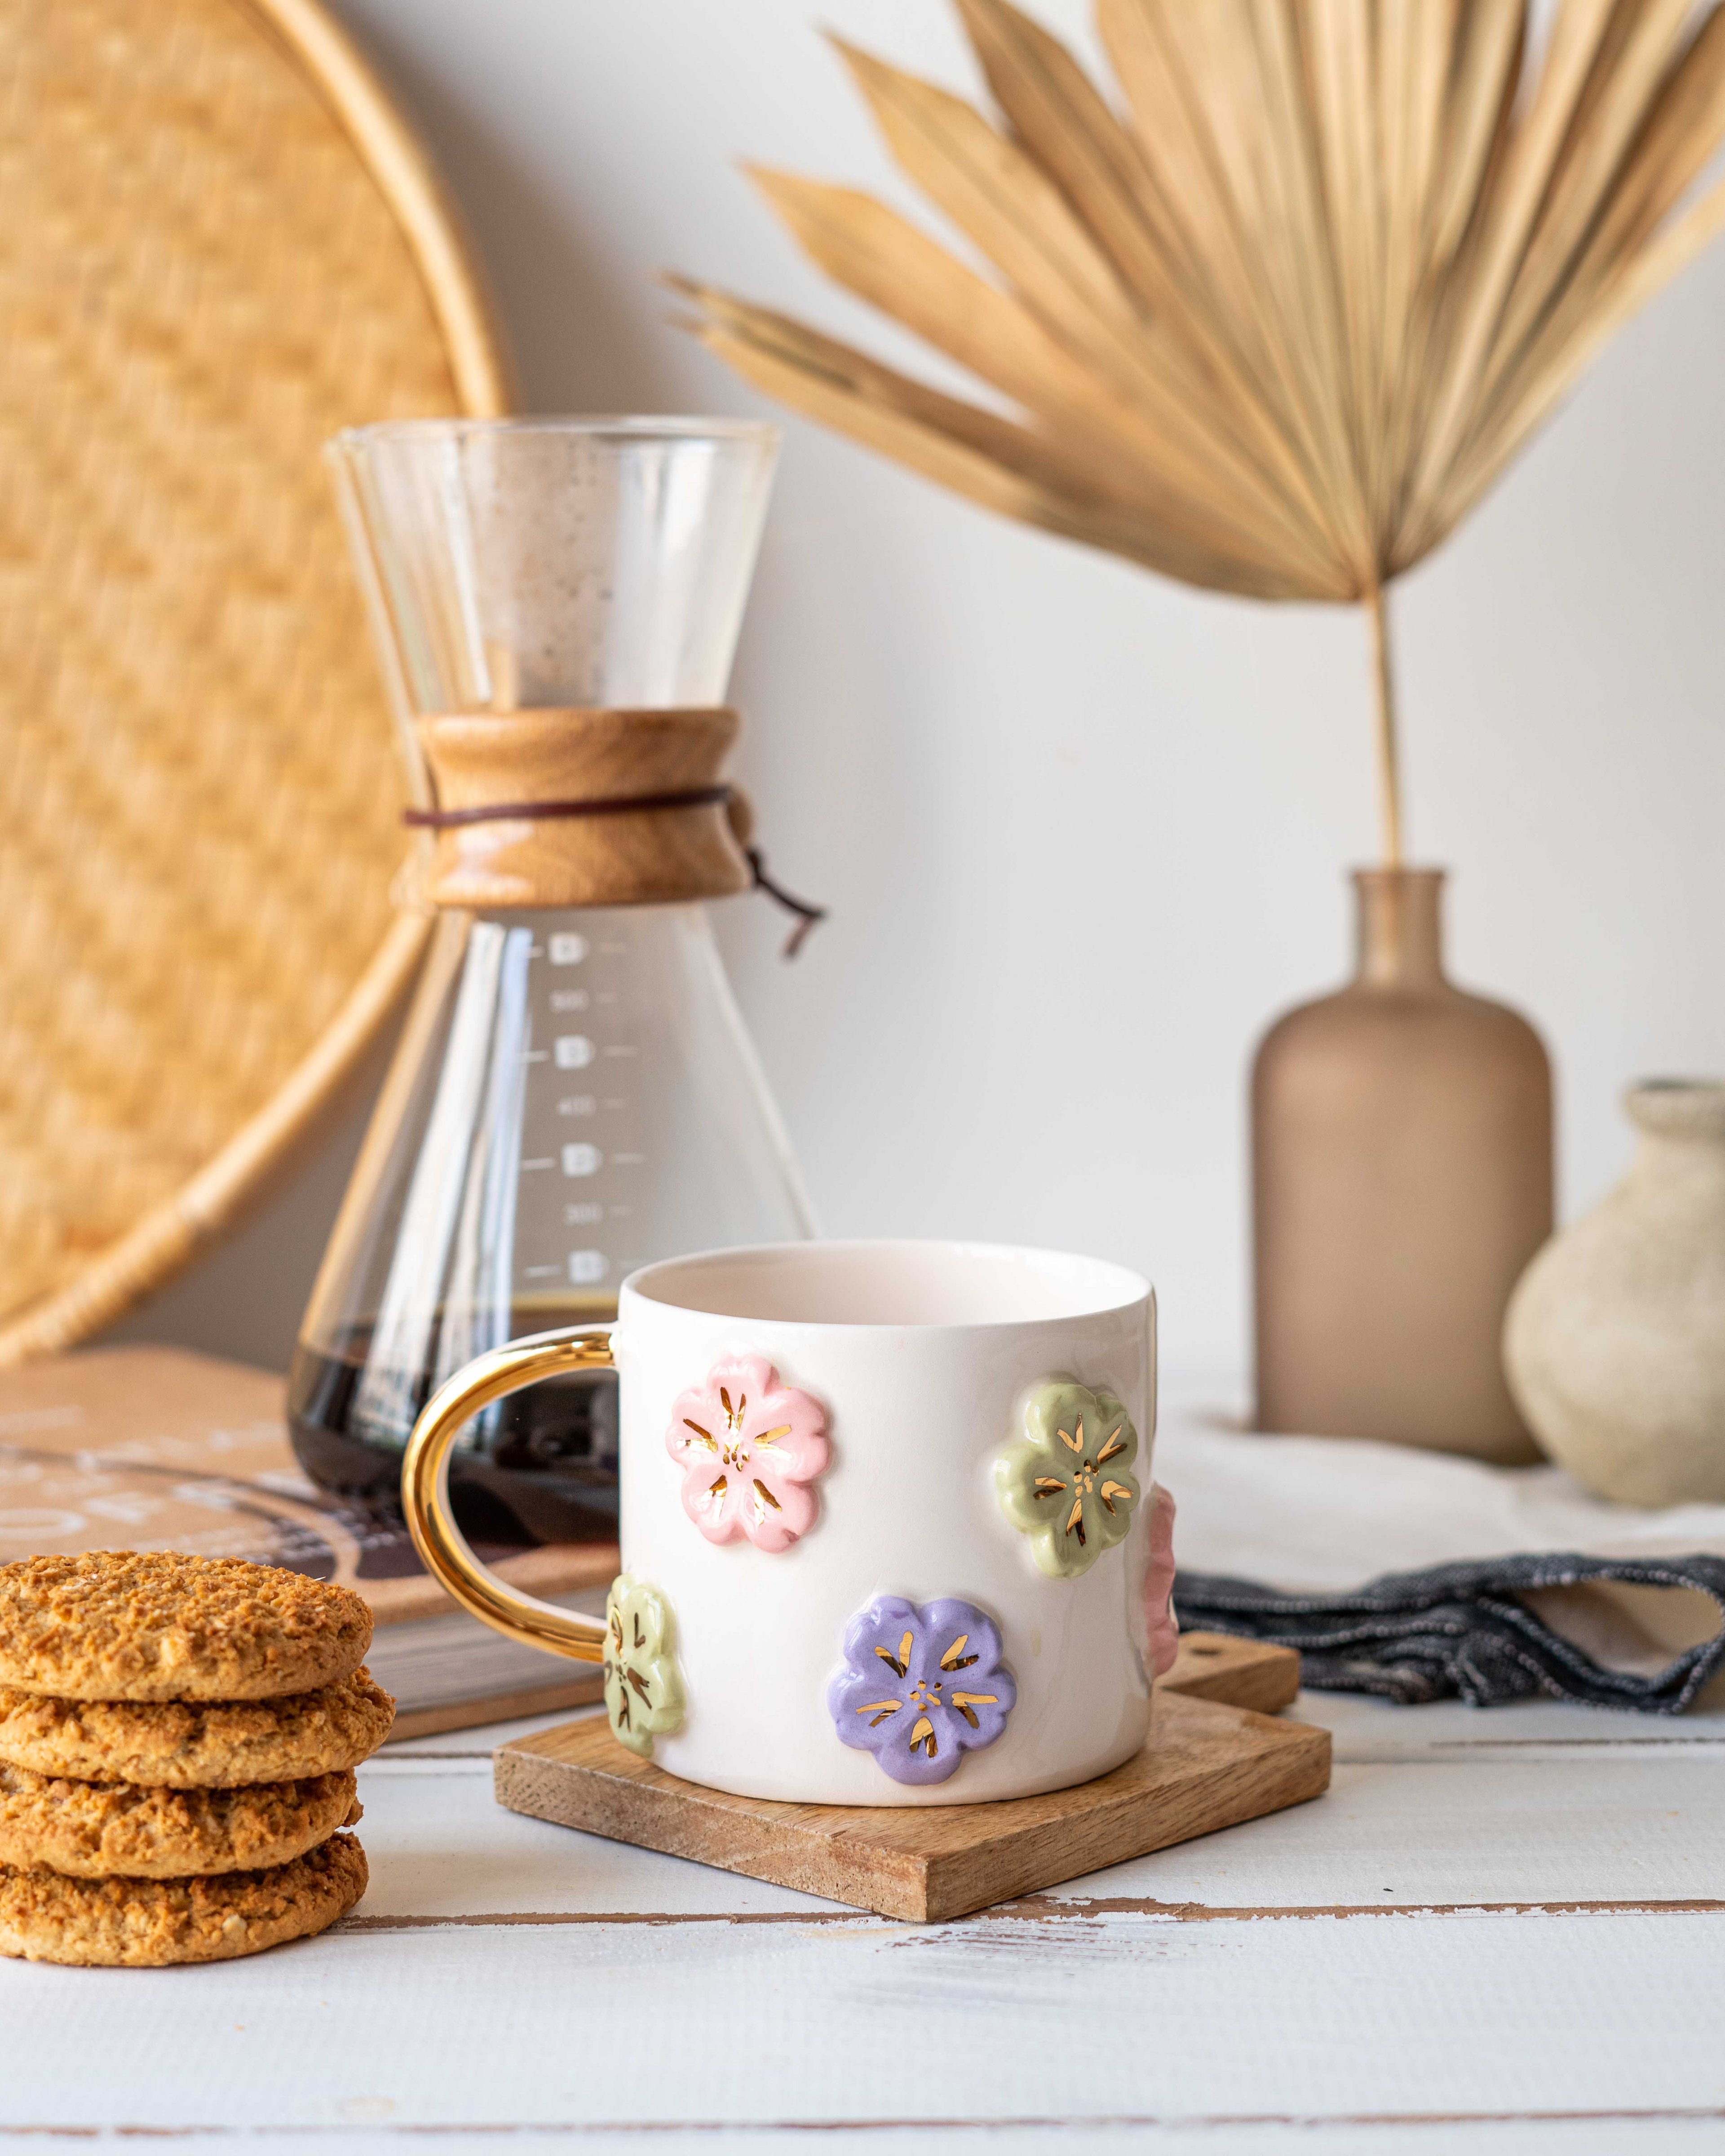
1681, 1123
1400, 927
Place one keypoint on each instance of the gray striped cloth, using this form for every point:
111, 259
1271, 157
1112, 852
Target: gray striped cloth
1461, 1631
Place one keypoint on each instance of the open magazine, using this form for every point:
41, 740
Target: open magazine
156, 1448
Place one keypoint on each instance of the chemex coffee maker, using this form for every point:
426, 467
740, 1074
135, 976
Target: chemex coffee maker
556, 603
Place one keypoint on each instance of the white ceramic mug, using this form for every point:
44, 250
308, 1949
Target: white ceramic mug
886, 1518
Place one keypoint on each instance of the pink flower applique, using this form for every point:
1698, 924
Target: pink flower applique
749, 1447
1162, 1627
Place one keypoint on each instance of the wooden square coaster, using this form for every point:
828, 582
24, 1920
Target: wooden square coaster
1214, 1760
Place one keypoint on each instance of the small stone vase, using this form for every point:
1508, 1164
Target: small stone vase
1615, 1339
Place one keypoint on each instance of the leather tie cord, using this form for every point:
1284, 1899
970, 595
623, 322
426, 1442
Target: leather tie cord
808, 917
698, 796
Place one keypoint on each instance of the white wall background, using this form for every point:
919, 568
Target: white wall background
1082, 831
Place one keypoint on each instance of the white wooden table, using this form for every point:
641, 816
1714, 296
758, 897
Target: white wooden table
1500, 1932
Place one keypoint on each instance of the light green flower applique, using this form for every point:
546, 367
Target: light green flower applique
1067, 1483
643, 1690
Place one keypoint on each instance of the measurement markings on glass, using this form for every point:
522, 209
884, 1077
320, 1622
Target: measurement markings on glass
527, 1164
544, 1272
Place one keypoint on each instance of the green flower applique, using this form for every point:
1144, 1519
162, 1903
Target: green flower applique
643, 1690
1067, 1483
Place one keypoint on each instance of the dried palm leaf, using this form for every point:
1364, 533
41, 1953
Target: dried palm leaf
1274, 322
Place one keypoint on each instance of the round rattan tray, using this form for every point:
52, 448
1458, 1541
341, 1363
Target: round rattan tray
220, 245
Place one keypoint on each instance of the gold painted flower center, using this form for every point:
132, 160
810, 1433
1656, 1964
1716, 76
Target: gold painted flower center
1079, 1481
735, 1449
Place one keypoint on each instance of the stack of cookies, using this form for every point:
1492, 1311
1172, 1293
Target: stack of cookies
178, 1742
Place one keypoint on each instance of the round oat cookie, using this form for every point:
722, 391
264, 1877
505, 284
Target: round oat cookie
151, 1924
189, 1744
122, 1624
110, 1830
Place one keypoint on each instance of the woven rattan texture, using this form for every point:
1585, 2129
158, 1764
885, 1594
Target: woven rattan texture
199, 790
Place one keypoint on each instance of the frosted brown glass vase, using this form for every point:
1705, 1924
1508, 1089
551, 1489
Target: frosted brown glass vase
1402, 1179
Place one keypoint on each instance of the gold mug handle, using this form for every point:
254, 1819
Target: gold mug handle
425, 1489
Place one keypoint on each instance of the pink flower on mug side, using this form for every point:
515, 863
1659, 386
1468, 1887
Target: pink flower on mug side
1163, 1628
749, 1447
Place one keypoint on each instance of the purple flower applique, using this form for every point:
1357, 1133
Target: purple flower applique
921, 1685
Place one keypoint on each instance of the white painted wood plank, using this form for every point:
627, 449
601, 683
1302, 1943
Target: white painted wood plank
1612, 1829
1374, 1729
440, 1844
1289, 2137
1616, 1829
1113, 2018
1546, 1820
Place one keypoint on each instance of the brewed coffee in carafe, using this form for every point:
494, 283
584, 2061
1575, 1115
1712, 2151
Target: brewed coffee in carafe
574, 1094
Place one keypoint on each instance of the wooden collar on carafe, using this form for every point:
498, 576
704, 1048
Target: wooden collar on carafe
584, 807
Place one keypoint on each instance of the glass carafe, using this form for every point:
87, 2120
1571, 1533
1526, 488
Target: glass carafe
574, 1093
